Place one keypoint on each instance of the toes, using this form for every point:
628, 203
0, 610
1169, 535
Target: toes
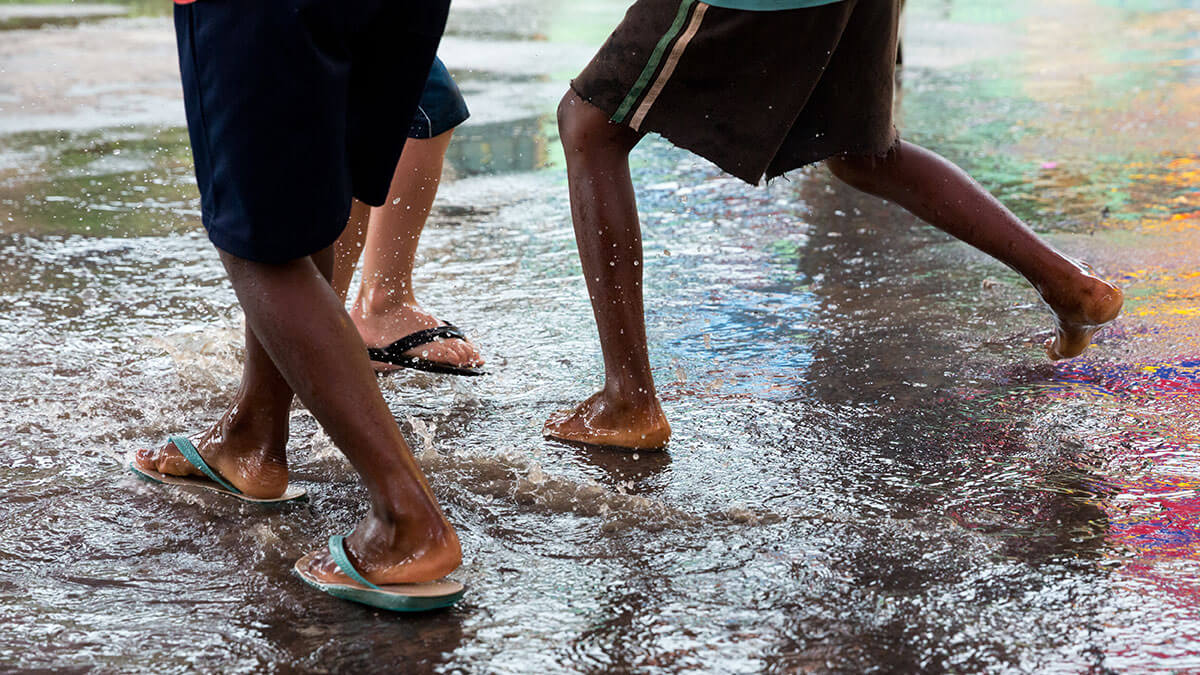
433, 351
471, 355
445, 352
556, 421
568, 423
168, 460
1069, 344
175, 465
319, 565
1051, 349
452, 351
457, 352
466, 354
146, 458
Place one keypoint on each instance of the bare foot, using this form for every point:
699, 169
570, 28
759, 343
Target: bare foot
382, 327
386, 553
256, 467
610, 421
1080, 308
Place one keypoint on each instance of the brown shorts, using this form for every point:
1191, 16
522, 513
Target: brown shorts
754, 92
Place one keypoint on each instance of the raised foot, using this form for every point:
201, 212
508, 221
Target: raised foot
608, 421
1078, 314
380, 328
390, 554
256, 471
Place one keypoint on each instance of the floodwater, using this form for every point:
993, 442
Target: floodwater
873, 467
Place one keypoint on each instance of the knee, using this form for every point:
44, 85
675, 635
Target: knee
857, 171
584, 127
574, 125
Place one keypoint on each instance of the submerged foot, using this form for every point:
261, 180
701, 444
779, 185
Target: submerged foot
380, 328
1080, 309
610, 421
389, 553
258, 469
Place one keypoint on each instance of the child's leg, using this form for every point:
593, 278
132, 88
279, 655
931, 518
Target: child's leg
302, 325
349, 246
385, 309
404, 537
626, 412
943, 195
247, 446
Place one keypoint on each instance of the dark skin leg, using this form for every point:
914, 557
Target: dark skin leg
247, 445
626, 412
943, 195
301, 325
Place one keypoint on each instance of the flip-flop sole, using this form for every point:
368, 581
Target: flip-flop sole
394, 598
292, 492
414, 363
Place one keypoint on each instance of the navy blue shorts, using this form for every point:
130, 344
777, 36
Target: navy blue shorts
442, 106
292, 109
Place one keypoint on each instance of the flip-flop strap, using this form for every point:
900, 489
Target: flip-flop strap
337, 551
412, 340
192, 455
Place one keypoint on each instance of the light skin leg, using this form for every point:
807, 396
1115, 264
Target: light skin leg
301, 325
386, 239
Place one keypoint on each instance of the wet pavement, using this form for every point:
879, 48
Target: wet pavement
874, 469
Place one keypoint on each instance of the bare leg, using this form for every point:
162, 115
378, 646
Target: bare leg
247, 446
626, 413
386, 309
943, 195
299, 319
294, 316
348, 248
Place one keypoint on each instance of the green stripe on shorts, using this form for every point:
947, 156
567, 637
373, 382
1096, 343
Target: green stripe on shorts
656, 57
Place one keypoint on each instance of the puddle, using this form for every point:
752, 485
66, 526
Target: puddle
873, 469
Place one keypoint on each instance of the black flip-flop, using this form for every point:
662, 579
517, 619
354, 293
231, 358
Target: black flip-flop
394, 355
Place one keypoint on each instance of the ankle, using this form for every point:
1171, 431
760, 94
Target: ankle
632, 396
1075, 284
389, 552
254, 426
412, 528
382, 298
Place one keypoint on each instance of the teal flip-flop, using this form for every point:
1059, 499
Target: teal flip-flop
393, 597
214, 481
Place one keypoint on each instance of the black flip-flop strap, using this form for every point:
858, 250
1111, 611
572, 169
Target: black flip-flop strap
394, 353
